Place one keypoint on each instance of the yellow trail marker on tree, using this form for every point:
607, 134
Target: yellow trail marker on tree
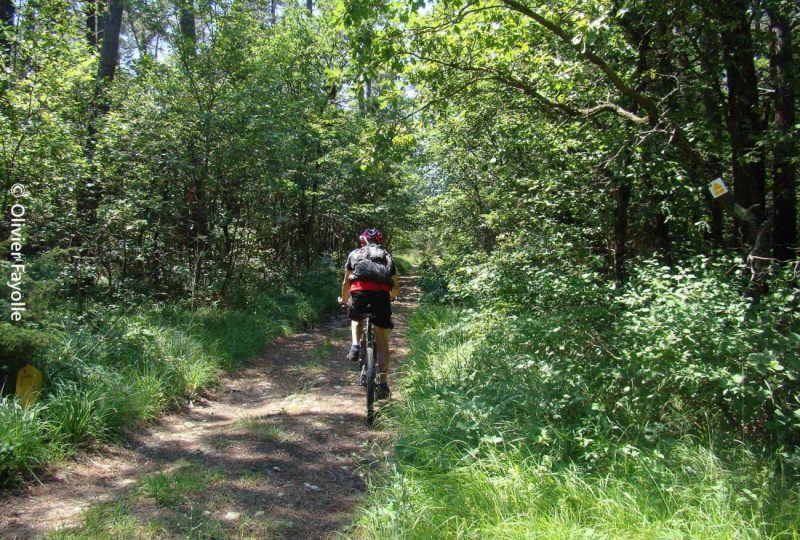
718, 188
29, 383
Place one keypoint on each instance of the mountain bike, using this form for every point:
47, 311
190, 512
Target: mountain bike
368, 361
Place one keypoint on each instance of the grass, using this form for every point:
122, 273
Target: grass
27, 442
252, 478
175, 494
476, 458
80, 412
322, 352
117, 367
316, 360
305, 368
187, 501
174, 487
108, 520
220, 443
260, 428
504, 495
122, 518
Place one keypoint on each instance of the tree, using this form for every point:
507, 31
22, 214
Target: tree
784, 205
7, 12
648, 74
90, 192
744, 114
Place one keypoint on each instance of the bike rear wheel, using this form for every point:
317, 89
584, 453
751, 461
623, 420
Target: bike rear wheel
372, 383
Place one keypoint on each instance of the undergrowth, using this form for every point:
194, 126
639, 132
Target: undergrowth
116, 367
569, 408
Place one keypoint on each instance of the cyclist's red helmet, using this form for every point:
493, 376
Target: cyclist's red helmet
370, 236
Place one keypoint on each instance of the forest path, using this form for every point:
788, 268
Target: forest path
278, 451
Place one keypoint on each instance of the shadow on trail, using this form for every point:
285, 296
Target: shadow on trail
296, 468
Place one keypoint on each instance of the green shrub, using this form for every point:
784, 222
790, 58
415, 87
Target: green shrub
504, 430
434, 282
556, 402
27, 439
404, 263
676, 349
19, 346
689, 341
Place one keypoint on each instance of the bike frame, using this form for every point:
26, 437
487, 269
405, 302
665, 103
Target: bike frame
367, 335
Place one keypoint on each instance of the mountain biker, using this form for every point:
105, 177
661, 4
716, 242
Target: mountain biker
370, 277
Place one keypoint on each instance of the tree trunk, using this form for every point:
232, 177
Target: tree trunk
656, 224
300, 226
784, 202
187, 26
310, 6
91, 192
196, 189
744, 121
623, 197
91, 23
7, 12
712, 106
109, 49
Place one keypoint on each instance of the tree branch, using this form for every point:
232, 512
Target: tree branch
677, 135
454, 92
531, 92
619, 111
625, 89
459, 17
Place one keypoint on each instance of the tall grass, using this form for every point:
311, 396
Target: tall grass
115, 368
27, 439
487, 451
504, 495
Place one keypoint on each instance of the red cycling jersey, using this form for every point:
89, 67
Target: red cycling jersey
361, 285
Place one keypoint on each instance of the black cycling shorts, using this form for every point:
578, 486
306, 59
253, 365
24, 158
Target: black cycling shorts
375, 302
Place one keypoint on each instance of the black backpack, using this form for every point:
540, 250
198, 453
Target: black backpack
372, 263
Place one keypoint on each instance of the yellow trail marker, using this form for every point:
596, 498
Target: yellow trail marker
718, 188
29, 383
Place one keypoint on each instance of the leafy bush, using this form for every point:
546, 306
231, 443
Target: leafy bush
554, 401
19, 346
404, 263
675, 349
689, 342
434, 281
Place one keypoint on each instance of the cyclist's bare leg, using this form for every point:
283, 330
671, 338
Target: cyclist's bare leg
384, 357
355, 332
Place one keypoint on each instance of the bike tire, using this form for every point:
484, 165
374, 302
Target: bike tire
372, 383
362, 364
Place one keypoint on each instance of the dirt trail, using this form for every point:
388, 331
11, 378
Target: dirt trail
279, 451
